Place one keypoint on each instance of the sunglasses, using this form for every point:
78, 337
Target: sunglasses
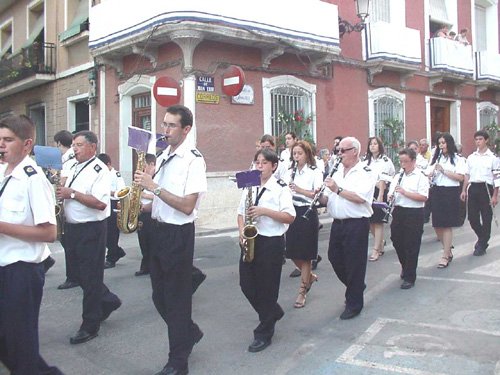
344, 150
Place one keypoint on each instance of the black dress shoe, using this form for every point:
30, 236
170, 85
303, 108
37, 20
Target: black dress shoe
68, 285
407, 285
82, 336
315, 262
198, 278
479, 251
141, 273
349, 314
258, 345
109, 264
107, 310
295, 273
170, 370
48, 263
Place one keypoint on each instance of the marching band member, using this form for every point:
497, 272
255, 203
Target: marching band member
86, 208
178, 185
349, 202
302, 235
409, 190
479, 190
27, 222
286, 154
115, 252
421, 161
383, 170
272, 212
446, 171
268, 141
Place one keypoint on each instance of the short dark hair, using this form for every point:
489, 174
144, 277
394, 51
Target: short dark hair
20, 125
294, 136
408, 151
184, 112
89, 136
104, 158
150, 158
268, 138
269, 155
482, 133
63, 137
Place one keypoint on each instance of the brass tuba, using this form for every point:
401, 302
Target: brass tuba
250, 231
130, 201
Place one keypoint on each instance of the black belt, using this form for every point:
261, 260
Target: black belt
159, 224
480, 183
346, 221
408, 208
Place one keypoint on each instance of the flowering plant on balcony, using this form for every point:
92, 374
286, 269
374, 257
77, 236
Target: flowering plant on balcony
493, 131
297, 122
392, 135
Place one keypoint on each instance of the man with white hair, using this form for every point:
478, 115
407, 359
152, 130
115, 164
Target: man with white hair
349, 201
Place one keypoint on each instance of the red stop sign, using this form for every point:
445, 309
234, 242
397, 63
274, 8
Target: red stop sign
233, 80
167, 91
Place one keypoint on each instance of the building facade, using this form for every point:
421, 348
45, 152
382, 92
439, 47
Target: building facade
304, 63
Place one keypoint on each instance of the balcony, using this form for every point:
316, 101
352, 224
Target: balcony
30, 67
392, 47
275, 27
451, 59
488, 68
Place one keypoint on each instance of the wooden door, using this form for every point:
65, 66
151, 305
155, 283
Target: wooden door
440, 117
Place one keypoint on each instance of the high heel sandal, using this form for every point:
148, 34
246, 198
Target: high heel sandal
375, 255
312, 279
444, 262
301, 298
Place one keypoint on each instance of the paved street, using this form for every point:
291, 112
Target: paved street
448, 324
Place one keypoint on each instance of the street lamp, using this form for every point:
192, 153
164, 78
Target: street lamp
362, 11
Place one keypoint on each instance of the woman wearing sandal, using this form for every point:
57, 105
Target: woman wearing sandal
302, 235
272, 212
446, 171
383, 171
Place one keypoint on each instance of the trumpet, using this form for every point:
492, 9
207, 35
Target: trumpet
312, 206
388, 210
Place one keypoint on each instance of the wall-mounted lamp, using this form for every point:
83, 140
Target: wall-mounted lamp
362, 11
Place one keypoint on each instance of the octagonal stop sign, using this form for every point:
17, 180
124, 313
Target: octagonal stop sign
233, 80
167, 91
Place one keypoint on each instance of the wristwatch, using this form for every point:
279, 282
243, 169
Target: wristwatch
72, 195
157, 191
339, 190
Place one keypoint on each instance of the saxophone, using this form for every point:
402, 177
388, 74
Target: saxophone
130, 201
59, 208
250, 231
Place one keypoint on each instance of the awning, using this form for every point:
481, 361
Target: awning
37, 29
78, 23
438, 12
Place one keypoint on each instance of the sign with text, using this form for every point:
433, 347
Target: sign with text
246, 96
205, 83
207, 98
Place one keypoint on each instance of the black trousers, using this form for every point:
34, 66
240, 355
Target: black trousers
86, 243
480, 213
170, 270
347, 252
115, 252
71, 264
145, 241
260, 283
407, 227
21, 289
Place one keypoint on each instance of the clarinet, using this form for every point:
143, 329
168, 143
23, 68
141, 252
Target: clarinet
312, 206
434, 172
388, 212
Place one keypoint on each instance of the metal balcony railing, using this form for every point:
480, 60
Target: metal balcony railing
38, 58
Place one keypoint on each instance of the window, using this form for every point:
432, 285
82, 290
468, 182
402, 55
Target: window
6, 40
82, 115
141, 109
480, 24
289, 101
488, 115
387, 119
380, 11
36, 24
77, 18
36, 113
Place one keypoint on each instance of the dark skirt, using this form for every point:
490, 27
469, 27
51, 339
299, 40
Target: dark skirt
378, 212
445, 206
302, 236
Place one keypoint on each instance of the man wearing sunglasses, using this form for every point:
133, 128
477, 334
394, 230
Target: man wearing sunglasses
348, 200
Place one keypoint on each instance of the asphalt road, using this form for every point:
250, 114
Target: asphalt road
449, 323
